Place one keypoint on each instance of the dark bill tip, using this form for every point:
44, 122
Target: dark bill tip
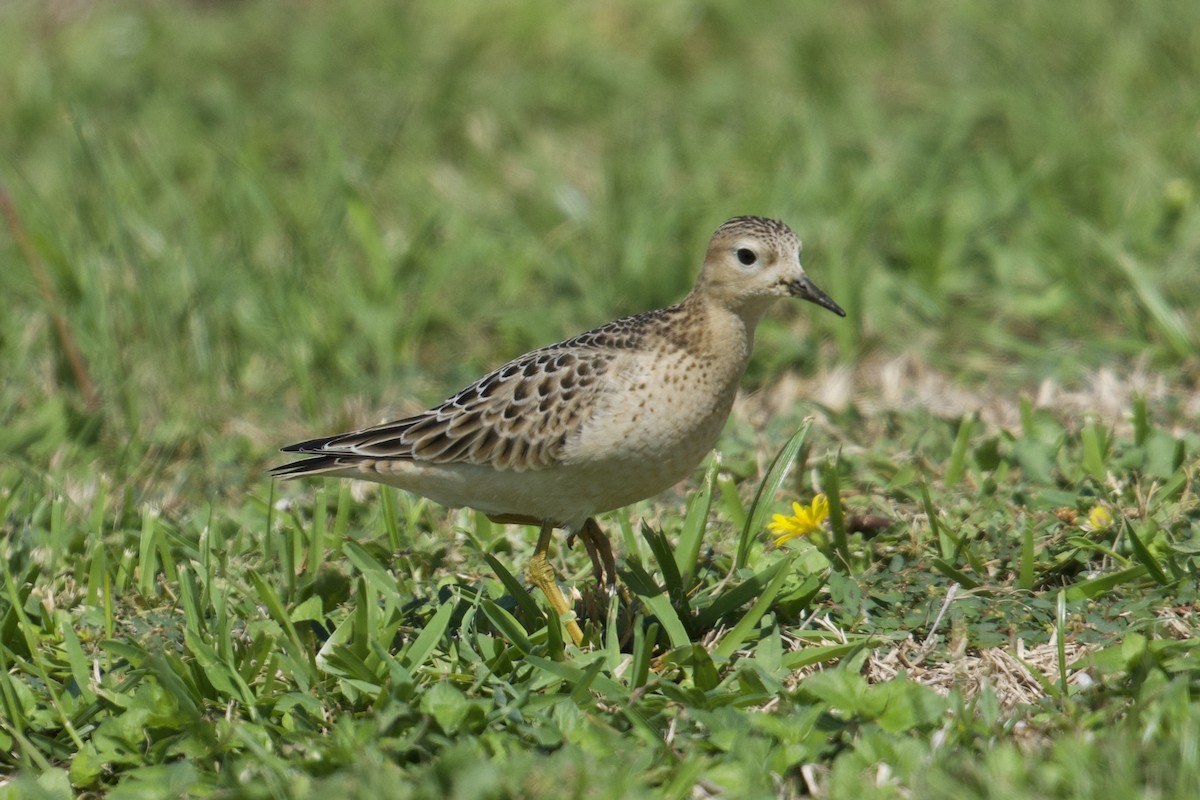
805, 289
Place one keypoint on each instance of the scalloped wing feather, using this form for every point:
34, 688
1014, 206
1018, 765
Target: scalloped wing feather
517, 417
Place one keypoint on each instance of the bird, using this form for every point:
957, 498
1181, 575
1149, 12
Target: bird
593, 423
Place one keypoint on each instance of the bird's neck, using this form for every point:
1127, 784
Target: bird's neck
729, 332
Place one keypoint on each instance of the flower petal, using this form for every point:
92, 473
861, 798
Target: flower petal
820, 507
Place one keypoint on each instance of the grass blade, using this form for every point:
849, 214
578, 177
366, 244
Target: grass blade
736, 597
275, 609
640, 582
643, 647
1060, 626
831, 483
417, 653
508, 626
731, 502
733, 640
765, 495
1144, 555
673, 581
1096, 587
691, 537
1092, 438
520, 595
1025, 574
956, 575
147, 547
391, 518
958, 456
575, 675
945, 541
819, 653
1171, 324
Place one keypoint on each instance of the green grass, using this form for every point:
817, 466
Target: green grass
256, 221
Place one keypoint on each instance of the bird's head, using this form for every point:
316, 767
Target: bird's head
753, 260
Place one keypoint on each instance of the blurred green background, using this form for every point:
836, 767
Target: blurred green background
261, 219
258, 221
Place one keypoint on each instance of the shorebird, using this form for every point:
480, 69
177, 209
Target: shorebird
593, 423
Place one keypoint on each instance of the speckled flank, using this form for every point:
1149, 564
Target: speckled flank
592, 423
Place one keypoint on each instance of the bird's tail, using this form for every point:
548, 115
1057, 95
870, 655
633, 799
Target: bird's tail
317, 465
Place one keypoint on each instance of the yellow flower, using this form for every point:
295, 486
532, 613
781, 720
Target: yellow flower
802, 522
1099, 519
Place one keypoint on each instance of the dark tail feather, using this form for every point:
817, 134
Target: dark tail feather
309, 466
311, 446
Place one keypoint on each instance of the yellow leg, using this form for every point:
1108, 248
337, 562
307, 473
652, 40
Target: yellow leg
541, 575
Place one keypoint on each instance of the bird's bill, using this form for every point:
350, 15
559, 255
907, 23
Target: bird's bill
804, 288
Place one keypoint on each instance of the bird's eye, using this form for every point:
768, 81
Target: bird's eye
746, 256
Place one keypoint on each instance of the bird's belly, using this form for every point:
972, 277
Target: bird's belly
564, 494
650, 437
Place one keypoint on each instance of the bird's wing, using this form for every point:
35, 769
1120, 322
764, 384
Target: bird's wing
518, 417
